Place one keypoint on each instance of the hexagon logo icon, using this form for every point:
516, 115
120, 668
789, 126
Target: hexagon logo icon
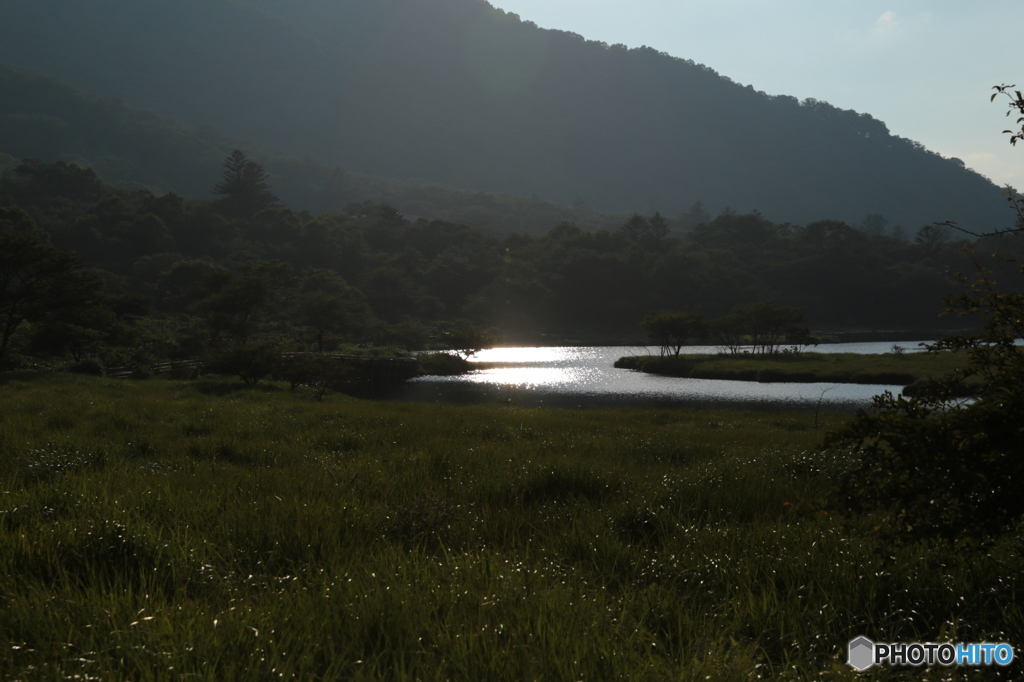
861, 653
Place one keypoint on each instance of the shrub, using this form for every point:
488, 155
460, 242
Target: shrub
443, 364
91, 366
320, 372
936, 466
251, 364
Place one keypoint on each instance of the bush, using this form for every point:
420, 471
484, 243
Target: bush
321, 372
443, 364
936, 466
251, 364
91, 366
466, 340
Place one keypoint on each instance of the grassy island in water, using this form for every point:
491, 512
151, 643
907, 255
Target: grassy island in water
811, 367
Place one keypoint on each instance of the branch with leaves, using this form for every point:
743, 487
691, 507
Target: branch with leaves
1016, 102
1016, 201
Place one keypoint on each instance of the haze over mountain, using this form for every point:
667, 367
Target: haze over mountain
456, 91
45, 118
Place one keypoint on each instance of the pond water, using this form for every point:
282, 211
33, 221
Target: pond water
583, 376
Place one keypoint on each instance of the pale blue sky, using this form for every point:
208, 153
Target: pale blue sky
925, 68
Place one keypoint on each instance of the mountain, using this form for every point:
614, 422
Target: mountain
459, 92
43, 117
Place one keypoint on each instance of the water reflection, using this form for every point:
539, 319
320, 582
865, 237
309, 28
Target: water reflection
585, 377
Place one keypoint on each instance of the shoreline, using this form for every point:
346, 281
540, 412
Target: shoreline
812, 367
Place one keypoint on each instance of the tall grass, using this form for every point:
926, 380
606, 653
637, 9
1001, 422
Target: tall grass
169, 530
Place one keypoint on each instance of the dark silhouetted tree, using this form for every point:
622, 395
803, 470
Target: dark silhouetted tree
466, 340
932, 466
635, 228
237, 303
37, 282
764, 326
931, 237
251, 363
648, 233
695, 216
875, 223
672, 329
244, 186
658, 230
326, 303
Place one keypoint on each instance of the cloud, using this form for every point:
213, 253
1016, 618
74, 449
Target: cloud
1001, 168
885, 24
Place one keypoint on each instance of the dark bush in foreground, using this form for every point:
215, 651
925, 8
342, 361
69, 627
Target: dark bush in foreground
938, 466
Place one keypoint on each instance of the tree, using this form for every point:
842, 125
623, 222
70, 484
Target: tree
320, 372
77, 332
635, 228
36, 280
1016, 108
672, 329
466, 340
764, 326
326, 303
875, 223
658, 230
648, 233
237, 302
695, 216
730, 331
931, 237
251, 363
932, 465
244, 186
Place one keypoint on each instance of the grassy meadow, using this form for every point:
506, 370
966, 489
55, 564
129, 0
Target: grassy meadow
848, 368
165, 529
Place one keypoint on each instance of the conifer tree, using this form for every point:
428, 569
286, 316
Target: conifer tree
244, 187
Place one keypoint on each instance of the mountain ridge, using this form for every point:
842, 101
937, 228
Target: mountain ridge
459, 92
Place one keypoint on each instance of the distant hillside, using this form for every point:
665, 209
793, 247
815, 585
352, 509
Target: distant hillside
457, 92
42, 117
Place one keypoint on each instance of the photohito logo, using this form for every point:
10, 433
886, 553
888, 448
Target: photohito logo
863, 653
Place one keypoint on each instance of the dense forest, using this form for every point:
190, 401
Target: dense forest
43, 117
173, 277
458, 92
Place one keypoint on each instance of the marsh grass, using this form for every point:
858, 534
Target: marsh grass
166, 530
854, 368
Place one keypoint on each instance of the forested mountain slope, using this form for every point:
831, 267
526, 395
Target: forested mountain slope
42, 117
456, 91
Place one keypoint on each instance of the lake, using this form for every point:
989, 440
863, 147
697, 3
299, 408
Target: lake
582, 377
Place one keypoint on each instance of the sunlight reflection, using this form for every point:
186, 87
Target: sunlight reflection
525, 355
549, 372
535, 376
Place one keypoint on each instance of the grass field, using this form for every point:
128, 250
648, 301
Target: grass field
845, 368
191, 530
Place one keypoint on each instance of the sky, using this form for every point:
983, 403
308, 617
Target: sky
924, 68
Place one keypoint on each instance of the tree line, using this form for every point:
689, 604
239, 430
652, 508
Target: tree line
761, 328
164, 276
